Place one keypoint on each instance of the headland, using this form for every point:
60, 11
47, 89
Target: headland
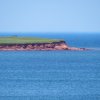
31, 43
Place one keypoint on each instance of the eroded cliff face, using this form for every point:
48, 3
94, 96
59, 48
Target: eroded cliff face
61, 45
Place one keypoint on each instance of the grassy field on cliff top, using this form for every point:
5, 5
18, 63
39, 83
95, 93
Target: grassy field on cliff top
25, 40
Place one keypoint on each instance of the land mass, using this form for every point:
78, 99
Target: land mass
31, 43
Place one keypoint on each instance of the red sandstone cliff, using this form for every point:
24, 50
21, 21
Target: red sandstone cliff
61, 45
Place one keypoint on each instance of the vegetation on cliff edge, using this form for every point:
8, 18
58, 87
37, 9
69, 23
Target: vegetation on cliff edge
25, 40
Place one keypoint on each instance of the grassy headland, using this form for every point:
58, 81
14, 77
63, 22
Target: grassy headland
25, 40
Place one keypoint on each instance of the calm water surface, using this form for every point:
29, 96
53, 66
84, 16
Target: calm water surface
51, 75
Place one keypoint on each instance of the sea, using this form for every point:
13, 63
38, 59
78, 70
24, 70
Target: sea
52, 75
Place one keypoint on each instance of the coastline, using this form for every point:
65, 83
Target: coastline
61, 45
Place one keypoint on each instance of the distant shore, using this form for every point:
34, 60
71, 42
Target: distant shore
17, 43
39, 46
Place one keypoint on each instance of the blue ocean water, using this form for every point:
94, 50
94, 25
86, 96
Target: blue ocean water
52, 75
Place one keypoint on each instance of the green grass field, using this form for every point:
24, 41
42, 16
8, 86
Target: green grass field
25, 40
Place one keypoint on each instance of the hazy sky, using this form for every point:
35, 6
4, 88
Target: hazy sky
49, 15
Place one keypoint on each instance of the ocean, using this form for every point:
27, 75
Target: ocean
52, 75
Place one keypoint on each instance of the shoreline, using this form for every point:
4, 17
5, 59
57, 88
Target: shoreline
61, 45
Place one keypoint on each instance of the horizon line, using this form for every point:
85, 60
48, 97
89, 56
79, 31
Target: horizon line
50, 32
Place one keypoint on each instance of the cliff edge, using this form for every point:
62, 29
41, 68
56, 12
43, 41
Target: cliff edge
61, 45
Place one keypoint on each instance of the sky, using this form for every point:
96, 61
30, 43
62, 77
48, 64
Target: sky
50, 16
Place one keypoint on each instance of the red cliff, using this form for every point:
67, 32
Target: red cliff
61, 45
